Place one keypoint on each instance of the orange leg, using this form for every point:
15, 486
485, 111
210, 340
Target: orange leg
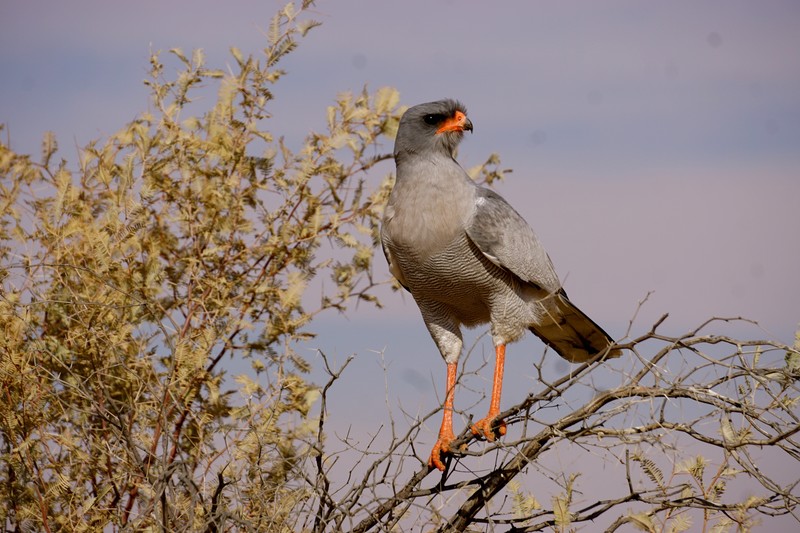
484, 425
446, 434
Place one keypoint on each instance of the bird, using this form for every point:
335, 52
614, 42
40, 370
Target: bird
469, 258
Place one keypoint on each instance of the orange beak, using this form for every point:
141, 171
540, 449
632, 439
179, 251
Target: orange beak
458, 122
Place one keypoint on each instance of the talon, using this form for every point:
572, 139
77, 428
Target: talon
490, 428
442, 446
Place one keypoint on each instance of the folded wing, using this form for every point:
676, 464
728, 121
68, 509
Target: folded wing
506, 239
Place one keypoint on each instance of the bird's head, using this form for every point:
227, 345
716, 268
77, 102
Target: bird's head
431, 127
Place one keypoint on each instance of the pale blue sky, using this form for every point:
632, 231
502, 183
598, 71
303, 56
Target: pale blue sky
655, 145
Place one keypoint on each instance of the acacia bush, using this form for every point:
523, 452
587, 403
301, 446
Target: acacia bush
182, 242
183, 246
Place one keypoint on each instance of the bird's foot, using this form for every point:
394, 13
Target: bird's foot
442, 447
489, 427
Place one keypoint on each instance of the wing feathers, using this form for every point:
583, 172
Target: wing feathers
509, 242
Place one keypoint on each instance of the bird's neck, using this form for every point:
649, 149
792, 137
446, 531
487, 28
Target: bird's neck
437, 171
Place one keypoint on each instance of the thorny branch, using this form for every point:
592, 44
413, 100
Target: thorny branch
724, 398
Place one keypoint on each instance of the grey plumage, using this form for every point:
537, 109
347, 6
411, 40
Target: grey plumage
466, 255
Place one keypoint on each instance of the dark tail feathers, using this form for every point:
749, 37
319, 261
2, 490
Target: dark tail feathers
571, 333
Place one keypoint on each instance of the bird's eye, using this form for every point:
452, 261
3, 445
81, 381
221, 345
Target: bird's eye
432, 119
